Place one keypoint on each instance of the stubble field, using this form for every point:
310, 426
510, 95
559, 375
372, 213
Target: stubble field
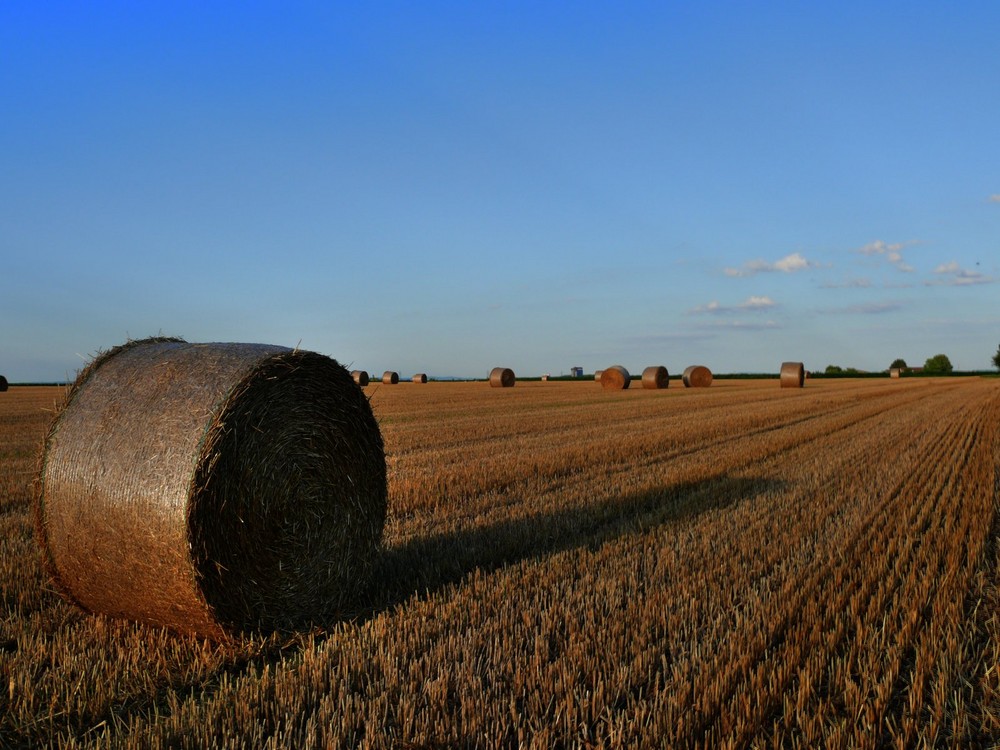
737, 566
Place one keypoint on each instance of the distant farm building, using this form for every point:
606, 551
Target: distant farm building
576, 372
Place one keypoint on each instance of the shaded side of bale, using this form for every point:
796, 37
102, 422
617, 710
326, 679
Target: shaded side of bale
697, 376
793, 374
360, 377
597, 375
389, 377
3, 383
655, 377
615, 378
502, 377
420, 378
212, 488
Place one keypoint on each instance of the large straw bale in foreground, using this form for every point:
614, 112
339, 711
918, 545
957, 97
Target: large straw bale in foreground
615, 378
502, 377
697, 376
655, 377
360, 377
793, 374
212, 488
390, 377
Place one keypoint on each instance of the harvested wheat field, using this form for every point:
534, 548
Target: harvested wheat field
738, 566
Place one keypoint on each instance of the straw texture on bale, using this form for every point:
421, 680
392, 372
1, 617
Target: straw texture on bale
390, 378
420, 378
597, 375
793, 374
502, 377
615, 378
360, 377
212, 488
655, 377
3, 383
697, 376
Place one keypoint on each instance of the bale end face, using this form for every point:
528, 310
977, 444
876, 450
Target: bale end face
502, 377
615, 378
793, 375
655, 377
242, 486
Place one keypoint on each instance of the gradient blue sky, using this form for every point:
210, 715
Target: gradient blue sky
446, 187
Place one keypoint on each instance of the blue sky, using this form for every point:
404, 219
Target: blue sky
446, 187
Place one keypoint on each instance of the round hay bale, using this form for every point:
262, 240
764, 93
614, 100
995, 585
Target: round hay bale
390, 377
793, 375
697, 376
502, 377
360, 377
655, 377
3, 383
894, 372
420, 378
213, 489
615, 378
597, 375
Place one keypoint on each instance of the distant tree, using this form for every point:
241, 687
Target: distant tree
938, 364
898, 364
996, 359
833, 370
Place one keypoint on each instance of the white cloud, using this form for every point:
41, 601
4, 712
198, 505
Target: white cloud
995, 198
953, 274
788, 264
751, 304
757, 303
893, 252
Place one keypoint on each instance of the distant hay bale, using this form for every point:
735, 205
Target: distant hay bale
597, 375
697, 376
545, 378
655, 377
420, 378
3, 383
502, 377
615, 378
389, 377
894, 372
360, 377
213, 489
793, 374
